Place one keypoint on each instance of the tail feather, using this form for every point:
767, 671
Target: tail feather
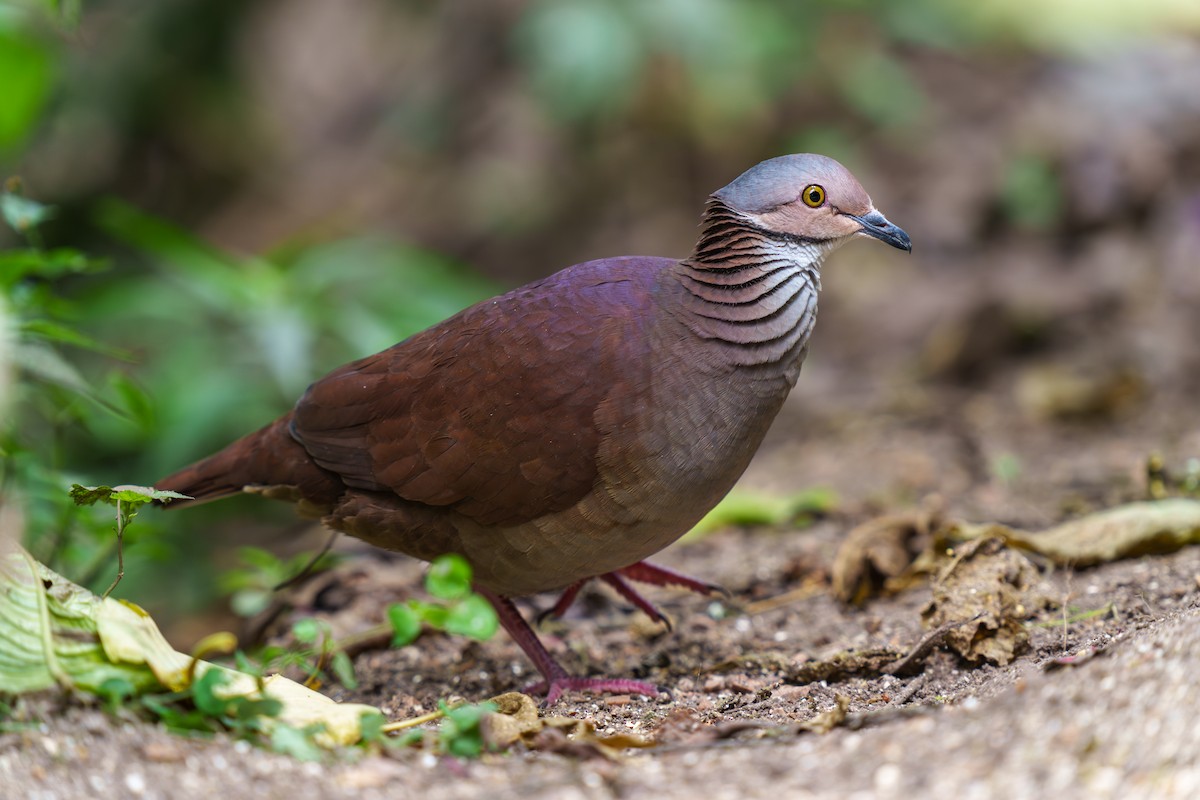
266, 459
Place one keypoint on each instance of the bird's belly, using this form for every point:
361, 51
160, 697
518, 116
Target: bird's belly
646, 496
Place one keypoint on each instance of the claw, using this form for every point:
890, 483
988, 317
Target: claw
555, 687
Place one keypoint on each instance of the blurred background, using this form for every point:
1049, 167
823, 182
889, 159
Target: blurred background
209, 203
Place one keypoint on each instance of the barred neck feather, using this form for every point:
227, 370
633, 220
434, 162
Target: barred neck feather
752, 292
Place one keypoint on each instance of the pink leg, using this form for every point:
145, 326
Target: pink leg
556, 680
623, 588
642, 572
568, 597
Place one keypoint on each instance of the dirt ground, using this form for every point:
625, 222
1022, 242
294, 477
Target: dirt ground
1031, 387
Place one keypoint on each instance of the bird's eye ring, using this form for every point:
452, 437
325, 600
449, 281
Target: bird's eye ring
813, 196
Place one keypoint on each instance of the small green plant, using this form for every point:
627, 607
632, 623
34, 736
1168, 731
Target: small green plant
323, 650
459, 734
313, 652
464, 612
460, 611
127, 500
201, 708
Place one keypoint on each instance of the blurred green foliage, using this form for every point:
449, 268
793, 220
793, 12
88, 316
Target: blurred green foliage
232, 342
215, 345
51, 394
28, 66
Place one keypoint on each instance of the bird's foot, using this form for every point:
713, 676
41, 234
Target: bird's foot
642, 572
556, 685
556, 680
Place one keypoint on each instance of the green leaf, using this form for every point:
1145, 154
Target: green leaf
28, 69
41, 362
252, 710
170, 243
372, 728
433, 615
449, 577
134, 400
296, 742
307, 630
18, 264
406, 624
473, 616
751, 509
263, 560
133, 495
460, 732
343, 669
51, 331
49, 631
204, 693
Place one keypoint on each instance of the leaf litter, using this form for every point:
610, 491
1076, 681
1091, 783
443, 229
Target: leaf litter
985, 587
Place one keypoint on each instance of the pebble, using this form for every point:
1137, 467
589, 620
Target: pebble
135, 782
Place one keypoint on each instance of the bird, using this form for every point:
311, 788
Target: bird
573, 427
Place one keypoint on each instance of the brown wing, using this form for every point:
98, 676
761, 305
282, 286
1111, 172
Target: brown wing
490, 411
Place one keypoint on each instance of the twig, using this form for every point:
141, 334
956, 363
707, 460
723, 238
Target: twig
913, 687
309, 566
787, 598
413, 722
922, 648
122, 520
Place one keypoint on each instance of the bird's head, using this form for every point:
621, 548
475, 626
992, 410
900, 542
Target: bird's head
811, 198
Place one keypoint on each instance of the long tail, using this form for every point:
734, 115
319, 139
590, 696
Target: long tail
268, 458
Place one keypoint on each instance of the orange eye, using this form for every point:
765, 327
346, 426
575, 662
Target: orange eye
813, 195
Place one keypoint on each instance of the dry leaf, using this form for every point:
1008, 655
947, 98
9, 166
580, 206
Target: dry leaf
517, 720
516, 717
987, 590
877, 551
1136, 529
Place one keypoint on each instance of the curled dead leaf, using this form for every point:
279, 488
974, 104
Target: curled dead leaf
516, 716
880, 551
984, 595
516, 719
